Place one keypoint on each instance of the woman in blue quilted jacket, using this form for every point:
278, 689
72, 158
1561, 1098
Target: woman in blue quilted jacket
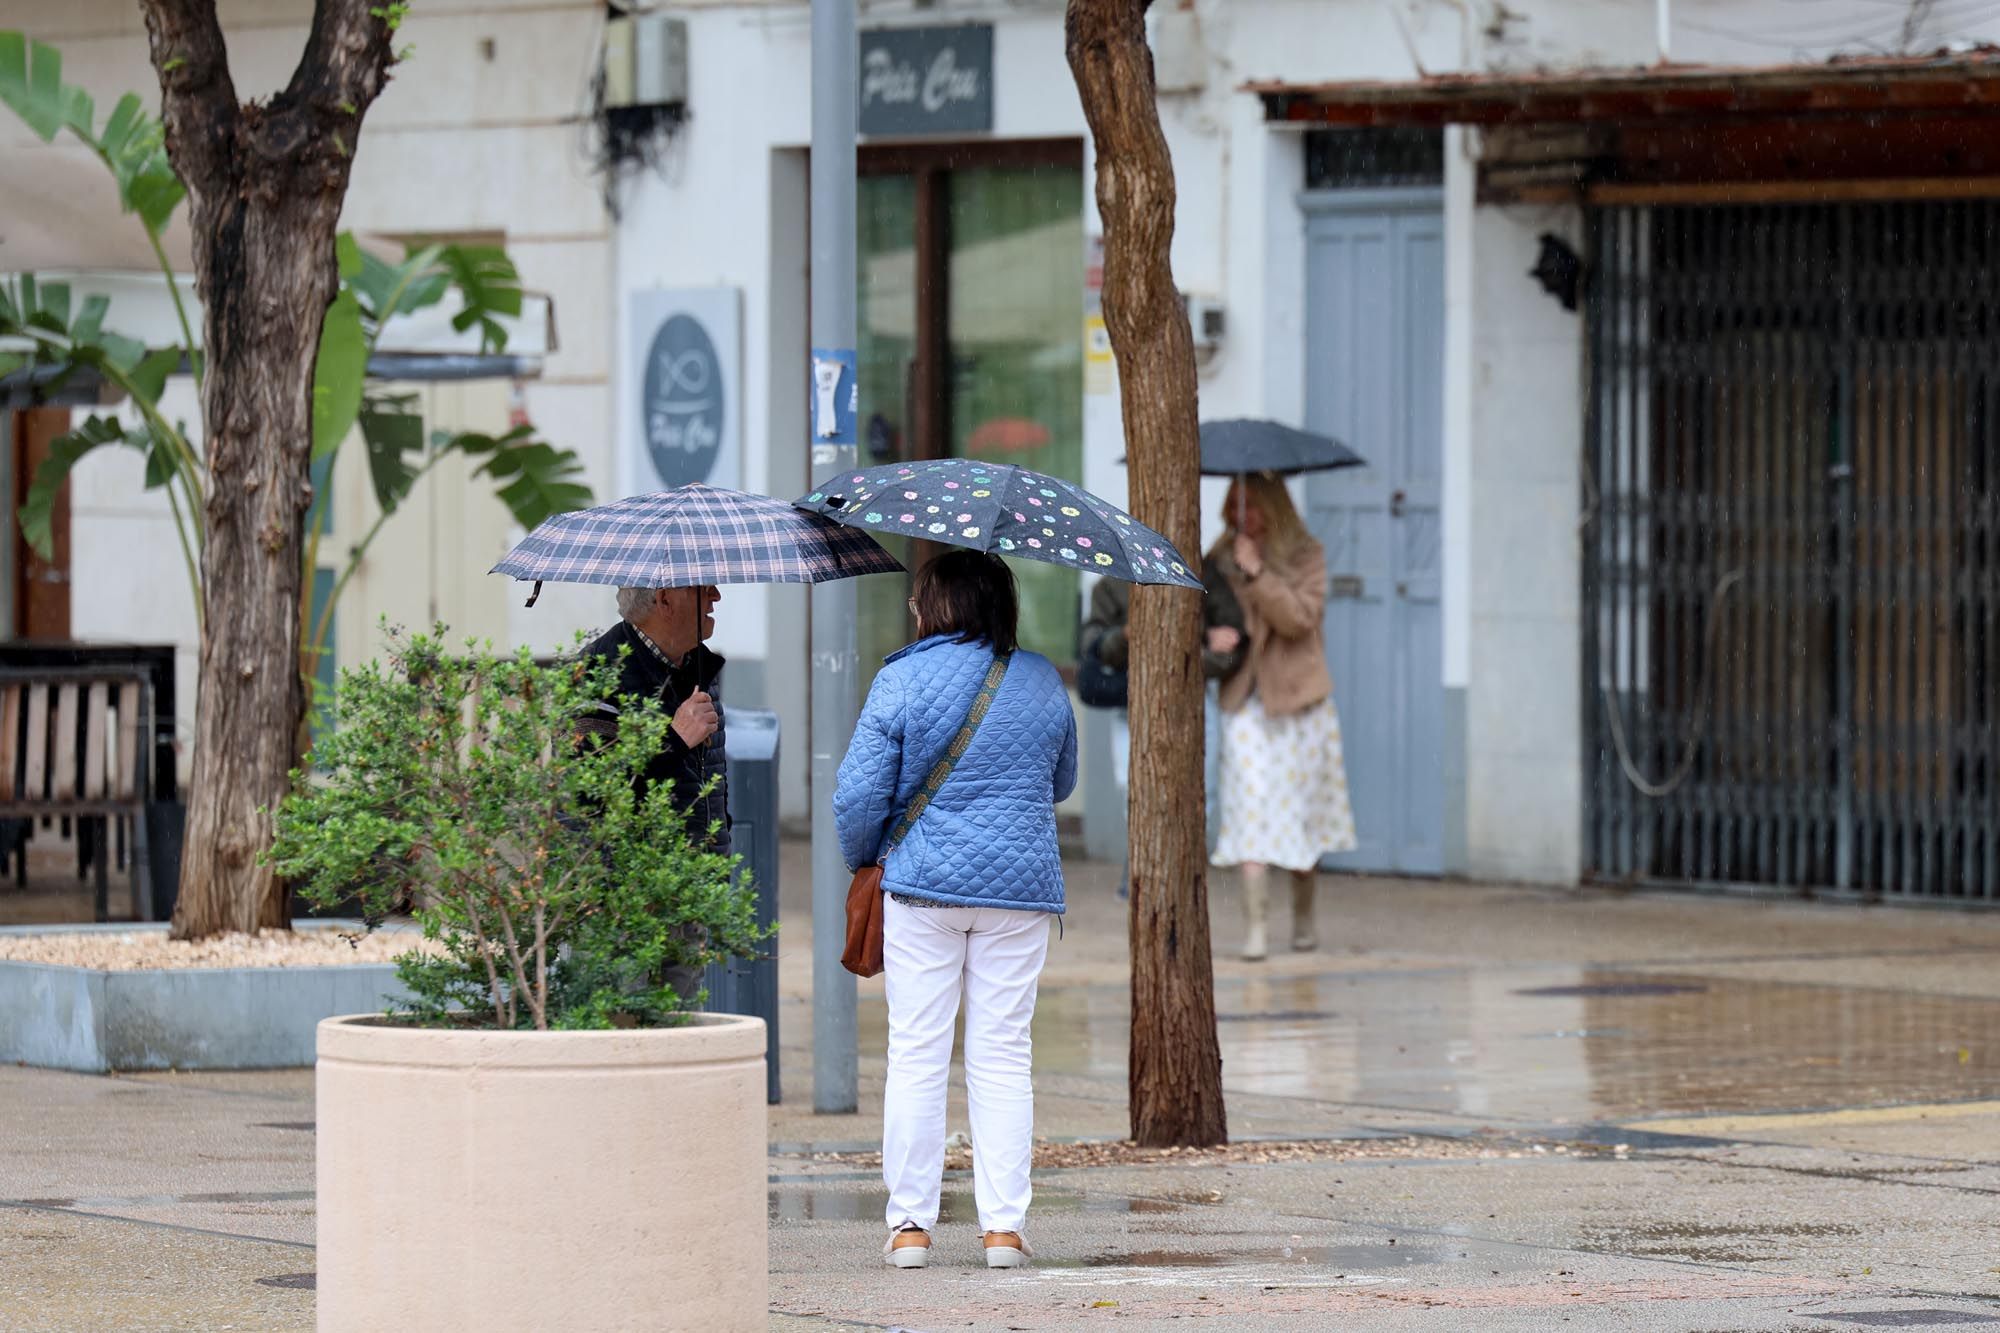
971, 887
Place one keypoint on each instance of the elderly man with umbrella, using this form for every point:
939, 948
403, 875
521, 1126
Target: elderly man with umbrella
666, 554
661, 645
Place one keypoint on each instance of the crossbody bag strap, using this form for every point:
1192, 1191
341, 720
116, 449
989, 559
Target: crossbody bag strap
941, 770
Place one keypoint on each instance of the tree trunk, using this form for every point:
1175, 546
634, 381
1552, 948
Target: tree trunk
1176, 1064
265, 184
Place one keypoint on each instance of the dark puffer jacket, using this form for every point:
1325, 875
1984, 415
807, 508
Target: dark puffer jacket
1104, 632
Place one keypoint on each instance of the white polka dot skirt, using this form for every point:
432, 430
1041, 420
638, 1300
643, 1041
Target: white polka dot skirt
1284, 788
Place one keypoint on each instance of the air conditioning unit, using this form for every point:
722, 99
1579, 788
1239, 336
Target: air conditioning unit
645, 61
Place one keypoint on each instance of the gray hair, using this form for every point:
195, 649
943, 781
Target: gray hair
632, 602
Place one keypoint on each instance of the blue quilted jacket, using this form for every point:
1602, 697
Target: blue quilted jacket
989, 837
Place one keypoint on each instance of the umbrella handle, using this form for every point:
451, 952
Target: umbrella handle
705, 684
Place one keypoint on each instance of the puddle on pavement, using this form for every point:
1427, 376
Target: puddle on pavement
168, 1200
1334, 1259
1613, 989
1579, 1034
1716, 1244
291, 1281
1590, 1044
806, 1204
1148, 1259
1700, 1231
1905, 1318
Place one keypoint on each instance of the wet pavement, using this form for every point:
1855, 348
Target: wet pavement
1584, 1110
1805, 1098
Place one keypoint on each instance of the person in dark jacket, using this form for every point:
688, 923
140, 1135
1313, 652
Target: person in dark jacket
1104, 632
662, 635
664, 632
1104, 637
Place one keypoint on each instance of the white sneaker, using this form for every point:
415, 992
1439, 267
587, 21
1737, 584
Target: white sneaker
908, 1248
1006, 1249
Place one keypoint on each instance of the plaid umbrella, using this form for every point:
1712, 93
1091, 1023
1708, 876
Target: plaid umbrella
691, 536
1006, 510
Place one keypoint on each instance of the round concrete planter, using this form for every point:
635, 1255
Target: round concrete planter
541, 1180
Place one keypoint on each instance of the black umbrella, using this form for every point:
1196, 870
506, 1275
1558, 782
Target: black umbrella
1239, 445
1003, 509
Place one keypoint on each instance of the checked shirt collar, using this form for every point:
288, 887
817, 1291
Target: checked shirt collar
657, 651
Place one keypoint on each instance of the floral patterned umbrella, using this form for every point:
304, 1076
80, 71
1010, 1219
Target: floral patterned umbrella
1004, 509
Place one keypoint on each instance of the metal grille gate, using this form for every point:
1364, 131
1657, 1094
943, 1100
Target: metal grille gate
1792, 548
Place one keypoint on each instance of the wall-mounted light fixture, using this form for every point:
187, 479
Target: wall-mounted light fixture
1559, 269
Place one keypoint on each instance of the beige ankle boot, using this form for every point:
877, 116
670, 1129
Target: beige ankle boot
1255, 898
1305, 937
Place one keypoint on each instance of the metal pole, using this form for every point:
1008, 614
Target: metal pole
836, 57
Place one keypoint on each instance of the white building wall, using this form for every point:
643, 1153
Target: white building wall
1523, 735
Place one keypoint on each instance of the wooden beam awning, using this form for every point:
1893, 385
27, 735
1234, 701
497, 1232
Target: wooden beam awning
1957, 81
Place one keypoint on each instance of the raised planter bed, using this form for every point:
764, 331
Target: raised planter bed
470, 1180
101, 1019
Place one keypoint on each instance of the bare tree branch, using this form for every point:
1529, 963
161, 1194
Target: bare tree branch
197, 96
501, 1008
541, 954
344, 69
347, 57
517, 961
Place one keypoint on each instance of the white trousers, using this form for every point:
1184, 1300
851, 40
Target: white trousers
930, 956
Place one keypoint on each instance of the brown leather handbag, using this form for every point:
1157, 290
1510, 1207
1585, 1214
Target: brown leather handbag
863, 954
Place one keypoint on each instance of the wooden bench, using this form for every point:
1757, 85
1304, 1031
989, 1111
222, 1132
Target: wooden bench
76, 744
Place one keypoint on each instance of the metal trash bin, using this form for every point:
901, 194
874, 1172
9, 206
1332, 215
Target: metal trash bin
750, 985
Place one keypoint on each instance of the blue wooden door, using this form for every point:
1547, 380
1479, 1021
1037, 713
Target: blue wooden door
1374, 361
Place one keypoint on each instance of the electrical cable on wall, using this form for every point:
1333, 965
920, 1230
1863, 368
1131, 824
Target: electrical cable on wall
1614, 714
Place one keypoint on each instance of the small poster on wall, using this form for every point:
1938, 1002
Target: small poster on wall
683, 389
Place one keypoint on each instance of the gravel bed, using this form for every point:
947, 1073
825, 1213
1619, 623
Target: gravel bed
143, 950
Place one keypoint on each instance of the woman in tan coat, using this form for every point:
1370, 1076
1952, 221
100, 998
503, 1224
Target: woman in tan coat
1284, 781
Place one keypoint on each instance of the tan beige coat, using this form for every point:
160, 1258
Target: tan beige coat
1286, 663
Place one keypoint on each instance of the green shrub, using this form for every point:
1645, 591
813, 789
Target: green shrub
455, 784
